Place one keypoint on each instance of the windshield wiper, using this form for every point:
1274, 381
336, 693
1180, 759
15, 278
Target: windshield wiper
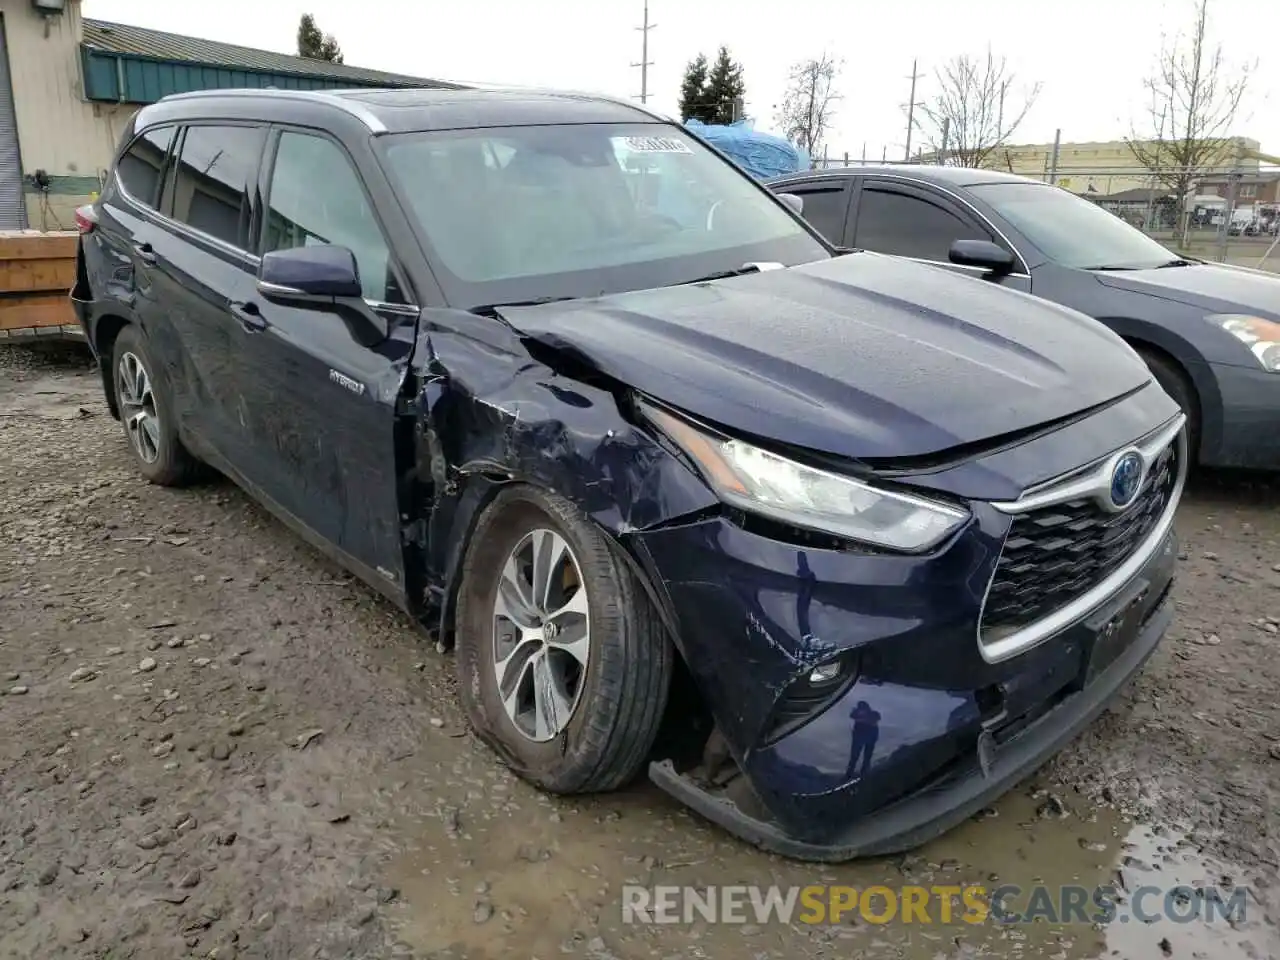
741, 271
1118, 267
491, 309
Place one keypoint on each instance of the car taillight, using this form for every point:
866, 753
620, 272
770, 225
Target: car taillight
86, 218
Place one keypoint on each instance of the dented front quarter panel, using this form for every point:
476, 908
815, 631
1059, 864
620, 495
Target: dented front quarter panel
487, 413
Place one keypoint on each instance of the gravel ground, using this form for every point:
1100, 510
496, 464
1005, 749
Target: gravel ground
213, 743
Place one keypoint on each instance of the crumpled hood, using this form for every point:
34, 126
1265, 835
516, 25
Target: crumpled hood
1214, 287
861, 356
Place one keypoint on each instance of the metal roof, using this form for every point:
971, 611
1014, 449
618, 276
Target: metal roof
127, 40
1256, 176
1134, 195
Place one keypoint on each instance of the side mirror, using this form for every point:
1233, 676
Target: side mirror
322, 272
796, 203
981, 253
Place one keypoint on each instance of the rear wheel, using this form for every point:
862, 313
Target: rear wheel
1176, 384
563, 666
147, 413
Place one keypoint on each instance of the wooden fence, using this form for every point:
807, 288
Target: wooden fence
37, 271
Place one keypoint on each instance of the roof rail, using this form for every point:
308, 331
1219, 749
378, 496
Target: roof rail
346, 105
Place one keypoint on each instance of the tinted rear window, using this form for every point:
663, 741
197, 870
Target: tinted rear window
216, 171
141, 165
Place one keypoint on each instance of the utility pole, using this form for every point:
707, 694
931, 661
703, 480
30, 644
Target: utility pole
1057, 143
911, 109
645, 63
1155, 176
1232, 193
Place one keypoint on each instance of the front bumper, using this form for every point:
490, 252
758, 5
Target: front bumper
954, 731
937, 808
1249, 433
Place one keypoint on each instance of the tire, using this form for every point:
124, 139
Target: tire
146, 413
1175, 383
618, 700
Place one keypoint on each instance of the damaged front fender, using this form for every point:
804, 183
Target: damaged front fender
489, 412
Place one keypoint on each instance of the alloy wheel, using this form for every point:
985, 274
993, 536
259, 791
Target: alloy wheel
138, 407
541, 635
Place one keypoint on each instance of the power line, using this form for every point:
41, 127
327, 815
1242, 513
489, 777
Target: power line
645, 63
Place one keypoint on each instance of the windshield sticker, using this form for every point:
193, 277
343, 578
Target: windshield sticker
657, 145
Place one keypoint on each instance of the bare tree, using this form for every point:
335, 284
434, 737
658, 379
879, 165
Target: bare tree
809, 103
1194, 100
974, 111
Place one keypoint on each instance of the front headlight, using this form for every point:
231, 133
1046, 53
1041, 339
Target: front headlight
764, 483
1262, 337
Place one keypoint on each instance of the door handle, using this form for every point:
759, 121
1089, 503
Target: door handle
250, 316
145, 253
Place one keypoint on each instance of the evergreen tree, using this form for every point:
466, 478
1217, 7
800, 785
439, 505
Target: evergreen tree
694, 102
316, 45
724, 86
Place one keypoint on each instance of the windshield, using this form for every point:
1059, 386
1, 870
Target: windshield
525, 213
1072, 231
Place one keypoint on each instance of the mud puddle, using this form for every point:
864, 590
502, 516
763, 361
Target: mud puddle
1210, 909
523, 874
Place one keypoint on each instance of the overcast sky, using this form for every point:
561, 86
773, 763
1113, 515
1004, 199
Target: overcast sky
1090, 56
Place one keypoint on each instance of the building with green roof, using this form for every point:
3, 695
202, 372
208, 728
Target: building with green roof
68, 86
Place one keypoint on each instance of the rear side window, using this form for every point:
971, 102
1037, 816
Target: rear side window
217, 171
142, 165
316, 198
892, 222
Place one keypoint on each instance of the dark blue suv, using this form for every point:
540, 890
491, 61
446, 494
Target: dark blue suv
837, 547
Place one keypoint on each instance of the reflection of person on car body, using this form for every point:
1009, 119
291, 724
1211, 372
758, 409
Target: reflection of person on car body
866, 731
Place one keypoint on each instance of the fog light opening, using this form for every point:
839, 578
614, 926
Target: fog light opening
810, 693
826, 672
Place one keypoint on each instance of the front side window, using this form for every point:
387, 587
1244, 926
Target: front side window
142, 164
216, 172
520, 213
316, 198
909, 226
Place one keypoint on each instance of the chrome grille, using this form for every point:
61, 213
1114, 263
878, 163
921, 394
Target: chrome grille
1057, 553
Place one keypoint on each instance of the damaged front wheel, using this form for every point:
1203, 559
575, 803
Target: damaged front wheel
563, 665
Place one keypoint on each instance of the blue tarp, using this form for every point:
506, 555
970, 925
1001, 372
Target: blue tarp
762, 155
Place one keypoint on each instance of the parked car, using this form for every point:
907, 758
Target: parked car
1209, 333
875, 540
